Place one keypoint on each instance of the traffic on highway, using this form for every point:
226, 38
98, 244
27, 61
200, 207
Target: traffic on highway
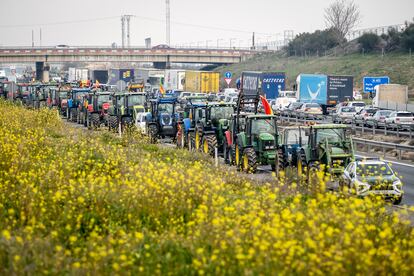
249, 126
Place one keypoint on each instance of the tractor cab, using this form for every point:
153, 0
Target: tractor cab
329, 146
124, 108
162, 120
75, 100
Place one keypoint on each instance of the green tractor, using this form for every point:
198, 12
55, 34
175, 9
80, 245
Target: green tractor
329, 149
252, 139
123, 107
205, 126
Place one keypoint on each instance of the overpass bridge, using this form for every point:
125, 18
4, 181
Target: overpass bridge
160, 57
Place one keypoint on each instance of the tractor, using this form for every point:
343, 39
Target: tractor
75, 101
252, 139
329, 149
123, 107
97, 108
208, 123
162, 119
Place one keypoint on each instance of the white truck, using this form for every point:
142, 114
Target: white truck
391, 96
174, 80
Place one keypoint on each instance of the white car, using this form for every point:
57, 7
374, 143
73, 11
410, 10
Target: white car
344, 115
372, 177
357, 105
141, 121
282, 103
400, 118
310, 110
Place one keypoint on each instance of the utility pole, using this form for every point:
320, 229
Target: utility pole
128, 18
253, 47
40, 36
168, 26
32, 38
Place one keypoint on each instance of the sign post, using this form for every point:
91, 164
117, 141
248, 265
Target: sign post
227, 78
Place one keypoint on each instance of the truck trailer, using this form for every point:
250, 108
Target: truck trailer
391, 96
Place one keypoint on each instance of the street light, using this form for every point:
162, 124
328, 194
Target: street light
231, 40
218, 42
207, 41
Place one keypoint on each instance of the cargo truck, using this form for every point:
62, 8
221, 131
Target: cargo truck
391, 96
327, 91
272, 84
174, 80
201, 81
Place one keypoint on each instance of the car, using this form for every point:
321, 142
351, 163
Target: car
284, 99
344, 115
372, 177
62, 46
400, 118
309, 111
365, 114
291, 109
358, 105
161, 46
378, 119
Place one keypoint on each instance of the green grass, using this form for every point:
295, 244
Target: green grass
399, 66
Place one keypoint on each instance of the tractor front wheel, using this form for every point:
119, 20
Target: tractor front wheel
209, 143
153, 132
95, 120
249, 161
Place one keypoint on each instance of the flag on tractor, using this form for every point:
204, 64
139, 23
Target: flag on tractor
267, 108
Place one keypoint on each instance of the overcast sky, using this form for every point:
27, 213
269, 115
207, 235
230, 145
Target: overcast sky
97, 22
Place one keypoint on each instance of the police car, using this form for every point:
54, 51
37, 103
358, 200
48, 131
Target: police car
372, 177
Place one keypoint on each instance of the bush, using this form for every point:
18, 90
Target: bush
369, 41
407, 37
313, 42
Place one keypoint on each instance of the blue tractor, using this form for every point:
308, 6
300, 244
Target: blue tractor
162, 120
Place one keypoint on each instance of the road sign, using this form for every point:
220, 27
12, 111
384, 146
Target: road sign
371, 82
228, 80
228, 75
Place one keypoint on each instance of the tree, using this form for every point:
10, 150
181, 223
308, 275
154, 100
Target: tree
342, 16
369, 41
408, 37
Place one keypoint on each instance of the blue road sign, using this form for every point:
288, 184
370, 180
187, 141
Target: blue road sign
371, 82
228, 75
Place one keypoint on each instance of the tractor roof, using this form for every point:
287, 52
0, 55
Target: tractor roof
85, 90
260, 116
221, 104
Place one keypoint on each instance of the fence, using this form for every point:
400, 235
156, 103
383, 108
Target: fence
369, 144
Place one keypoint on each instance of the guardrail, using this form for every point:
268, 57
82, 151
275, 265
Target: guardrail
383, 145
386, 129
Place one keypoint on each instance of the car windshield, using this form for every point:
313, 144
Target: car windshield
380, 169
263, 125
333, 135
358, 104
384, 113
292, 137
136, 100
404, 114
165, 108
314, 105
221, 112
348, 109
103, 99
371, 111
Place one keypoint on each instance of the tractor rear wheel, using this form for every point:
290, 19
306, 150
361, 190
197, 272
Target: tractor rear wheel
197, 140
249, 161
113, 123
209, 143
232, 155
95, 120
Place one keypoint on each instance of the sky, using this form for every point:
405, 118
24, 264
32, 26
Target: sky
193, 22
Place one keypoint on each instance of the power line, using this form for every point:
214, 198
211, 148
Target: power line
60, 22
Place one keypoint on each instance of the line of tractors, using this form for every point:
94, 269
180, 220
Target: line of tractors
243, 136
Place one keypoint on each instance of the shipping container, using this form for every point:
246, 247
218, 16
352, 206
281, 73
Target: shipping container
201, 81
173, 79
99, 75
272, 84
250, 83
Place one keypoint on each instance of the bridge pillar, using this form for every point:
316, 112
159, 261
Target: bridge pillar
39, 70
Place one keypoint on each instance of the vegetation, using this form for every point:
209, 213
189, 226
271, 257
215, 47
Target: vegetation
92, 203
312, 43
369, 41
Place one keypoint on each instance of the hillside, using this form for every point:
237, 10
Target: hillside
400, 67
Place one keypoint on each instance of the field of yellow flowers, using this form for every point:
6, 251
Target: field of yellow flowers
82, 202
